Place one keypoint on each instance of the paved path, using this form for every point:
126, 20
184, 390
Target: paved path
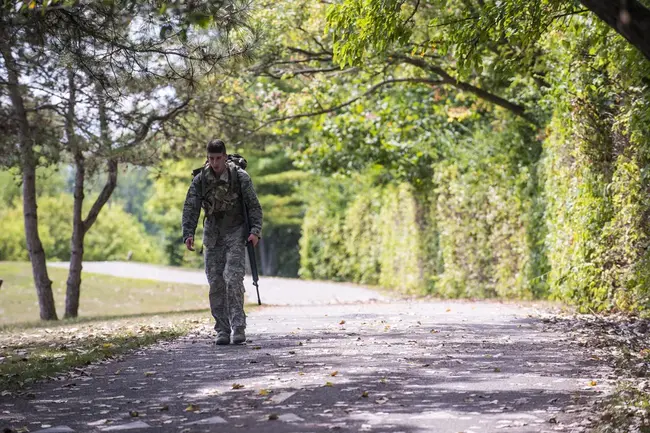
273, 291
444, 367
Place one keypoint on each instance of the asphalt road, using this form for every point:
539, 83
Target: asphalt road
381, 366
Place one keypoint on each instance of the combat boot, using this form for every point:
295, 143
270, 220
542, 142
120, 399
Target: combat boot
222, 338
239, 335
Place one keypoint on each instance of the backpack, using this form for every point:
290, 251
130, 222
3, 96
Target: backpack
236, 158
239, 162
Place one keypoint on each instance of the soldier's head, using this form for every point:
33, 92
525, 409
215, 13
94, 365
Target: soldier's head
217, 155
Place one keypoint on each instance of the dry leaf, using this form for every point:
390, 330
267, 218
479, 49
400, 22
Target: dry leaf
365, 394
237, 386
192, 408
264, 392
163, 408
134, 413
273, 417
334, 373
329, 384
149, 373
497, 370
342, 322
593, 383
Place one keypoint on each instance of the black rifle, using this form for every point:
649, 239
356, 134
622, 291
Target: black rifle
251, 251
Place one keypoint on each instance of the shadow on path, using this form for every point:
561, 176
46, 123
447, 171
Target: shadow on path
383, 368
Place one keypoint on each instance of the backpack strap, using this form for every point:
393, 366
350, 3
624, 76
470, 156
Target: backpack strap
234, 178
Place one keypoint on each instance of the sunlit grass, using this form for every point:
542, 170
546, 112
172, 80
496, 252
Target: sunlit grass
101, 295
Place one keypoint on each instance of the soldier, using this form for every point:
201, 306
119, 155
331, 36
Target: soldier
219, 188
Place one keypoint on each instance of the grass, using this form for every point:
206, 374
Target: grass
116, 316
101, 295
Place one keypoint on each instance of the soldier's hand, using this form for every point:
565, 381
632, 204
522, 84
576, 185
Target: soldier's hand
189, 243
254, 239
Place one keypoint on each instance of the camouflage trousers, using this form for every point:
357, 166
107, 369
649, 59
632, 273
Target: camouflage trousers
225, 257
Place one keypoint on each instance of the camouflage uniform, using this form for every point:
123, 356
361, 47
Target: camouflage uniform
224, 240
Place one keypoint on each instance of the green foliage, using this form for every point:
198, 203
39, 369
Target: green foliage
165, 207
354, 231
114, 235
49, 181
476, 234
359, 25
595, 171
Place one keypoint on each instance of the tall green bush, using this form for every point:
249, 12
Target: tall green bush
596, 164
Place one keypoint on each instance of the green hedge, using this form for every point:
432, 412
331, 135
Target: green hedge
477, 234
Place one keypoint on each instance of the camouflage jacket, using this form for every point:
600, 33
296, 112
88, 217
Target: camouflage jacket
221, 202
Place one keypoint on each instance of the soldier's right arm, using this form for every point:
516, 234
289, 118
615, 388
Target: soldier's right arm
192, 208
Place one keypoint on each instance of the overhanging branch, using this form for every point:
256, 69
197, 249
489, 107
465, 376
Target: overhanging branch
353, 100
446, 78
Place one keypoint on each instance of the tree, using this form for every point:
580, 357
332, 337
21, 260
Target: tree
112, 59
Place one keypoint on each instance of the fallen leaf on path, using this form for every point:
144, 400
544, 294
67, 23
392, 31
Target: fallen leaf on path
163, 408
329, 384
237, 386
192, 408
593, 383
264, 392
365, 394
334, 373
273, 417
134, 413
342, 322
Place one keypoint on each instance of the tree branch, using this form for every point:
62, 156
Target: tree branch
143, 131
353, 100
448, 79
111, 181
630, 18
415, 9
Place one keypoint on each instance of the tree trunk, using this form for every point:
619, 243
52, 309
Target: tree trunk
80, 227
28, 162
73, 289
630, 18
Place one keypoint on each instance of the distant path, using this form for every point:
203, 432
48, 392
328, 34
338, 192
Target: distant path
273, 291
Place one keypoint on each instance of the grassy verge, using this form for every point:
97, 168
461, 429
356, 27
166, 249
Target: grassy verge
101, 295
30, 354
116, 316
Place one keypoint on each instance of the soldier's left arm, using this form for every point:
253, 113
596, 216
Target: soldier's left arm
252, 203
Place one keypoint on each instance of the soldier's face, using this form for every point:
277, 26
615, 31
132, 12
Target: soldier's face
217, 161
